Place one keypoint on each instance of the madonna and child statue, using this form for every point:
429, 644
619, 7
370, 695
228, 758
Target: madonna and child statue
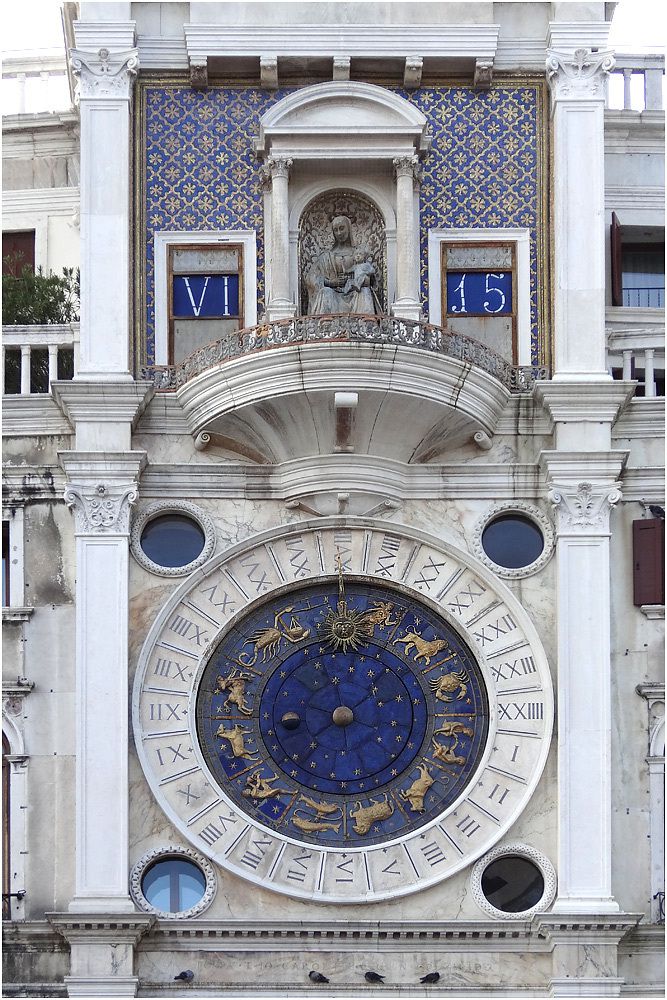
342, 279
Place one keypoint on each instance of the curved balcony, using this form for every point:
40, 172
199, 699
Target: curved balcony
278, 391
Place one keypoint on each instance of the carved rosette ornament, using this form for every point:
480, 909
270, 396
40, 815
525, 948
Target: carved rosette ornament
585, 511
102, 509
579, 75
105, 73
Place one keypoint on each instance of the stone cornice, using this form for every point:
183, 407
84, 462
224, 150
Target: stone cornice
586, 402
101, 928
26, 416
102, 402
643, 418
601, 468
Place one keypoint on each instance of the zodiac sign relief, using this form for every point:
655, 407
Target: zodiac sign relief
236, 739
445, 686
235, 683
315, 822
259, 788
267, 641
447, 754
418, 789
378, 614
426, 648
365, 816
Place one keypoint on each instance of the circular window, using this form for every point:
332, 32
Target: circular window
513, 881
513, 884
514, 539
174, 885
172, 538
176, 882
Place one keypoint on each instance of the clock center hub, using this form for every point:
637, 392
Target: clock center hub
342, 716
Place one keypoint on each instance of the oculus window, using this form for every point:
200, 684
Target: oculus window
173, 885
512, 541
172, 540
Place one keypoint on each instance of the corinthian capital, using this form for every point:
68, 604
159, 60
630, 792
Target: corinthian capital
584, 509
578, 75
278, 166
105, 73
407, 166
101, 508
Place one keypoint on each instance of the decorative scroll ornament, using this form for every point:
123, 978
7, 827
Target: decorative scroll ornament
105, 73
586, 509
102, 509
578, 75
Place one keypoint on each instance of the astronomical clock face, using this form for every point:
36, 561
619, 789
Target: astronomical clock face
342, 714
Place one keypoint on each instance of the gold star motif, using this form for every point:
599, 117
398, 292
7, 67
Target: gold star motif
293, 774
283, 675
399, 738
394, 772
335, 680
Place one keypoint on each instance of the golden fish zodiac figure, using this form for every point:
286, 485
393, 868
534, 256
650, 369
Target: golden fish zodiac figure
259, 788
236, 739
425, 648
320, 808
310, 824
446, 686
418, 789
267, 641
235, 683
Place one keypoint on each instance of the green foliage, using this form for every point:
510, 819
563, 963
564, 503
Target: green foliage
32, 298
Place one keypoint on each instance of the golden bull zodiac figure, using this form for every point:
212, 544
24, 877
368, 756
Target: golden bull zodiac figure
417, 790
448, 754
426, 648
267, 641
365, 816
236, 738
235, 683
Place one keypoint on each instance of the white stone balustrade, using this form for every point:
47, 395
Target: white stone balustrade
53, 338
636, 348
647, 96
33, 83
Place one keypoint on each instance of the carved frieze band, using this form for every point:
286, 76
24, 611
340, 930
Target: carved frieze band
101, 508
584, 509
105, 73
579, 75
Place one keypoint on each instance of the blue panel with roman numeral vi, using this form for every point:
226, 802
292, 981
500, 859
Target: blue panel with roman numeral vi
205, 296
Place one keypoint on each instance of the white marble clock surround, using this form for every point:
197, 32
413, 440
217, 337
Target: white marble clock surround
466, 594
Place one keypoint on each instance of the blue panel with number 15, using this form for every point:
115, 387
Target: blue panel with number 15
479, 293
205, 296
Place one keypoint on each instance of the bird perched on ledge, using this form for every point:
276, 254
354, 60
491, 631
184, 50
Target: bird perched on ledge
186, 976
317, 977
373, 977
430, 977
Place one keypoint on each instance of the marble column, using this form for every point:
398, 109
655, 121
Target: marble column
583, 510
406, 304
101, 489
106, 78
577, 81
280, 304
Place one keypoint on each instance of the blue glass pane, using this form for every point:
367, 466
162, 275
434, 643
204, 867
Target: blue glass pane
172, 540
173, 885
512, 541
205, 296
476, 293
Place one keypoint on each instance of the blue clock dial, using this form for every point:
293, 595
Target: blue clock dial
342, 716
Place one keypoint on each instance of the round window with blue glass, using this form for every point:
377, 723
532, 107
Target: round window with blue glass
342, 715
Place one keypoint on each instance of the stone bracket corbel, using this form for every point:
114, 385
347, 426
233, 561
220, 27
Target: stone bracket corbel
202, 441
268, 72
483, 74
482, 440
199, 74
412, 74
341, 68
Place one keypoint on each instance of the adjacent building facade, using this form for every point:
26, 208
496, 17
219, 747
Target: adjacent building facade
333, 533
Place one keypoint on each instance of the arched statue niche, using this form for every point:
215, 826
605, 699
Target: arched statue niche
342, 267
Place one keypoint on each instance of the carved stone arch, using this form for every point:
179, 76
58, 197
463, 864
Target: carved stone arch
657, 738
13, 735
368, 232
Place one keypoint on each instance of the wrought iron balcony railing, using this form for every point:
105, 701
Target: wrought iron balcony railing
355, 329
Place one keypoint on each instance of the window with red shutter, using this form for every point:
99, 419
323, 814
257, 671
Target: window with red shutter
18, 252
648, 544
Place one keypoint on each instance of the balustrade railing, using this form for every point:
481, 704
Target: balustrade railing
637, 83
638, 352
346, 328
35, 356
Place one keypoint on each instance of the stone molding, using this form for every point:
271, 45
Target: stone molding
524, 851
163, 854
101, 508
534, 514
105, 74
578, 75
584, 509
653, 693
146, 514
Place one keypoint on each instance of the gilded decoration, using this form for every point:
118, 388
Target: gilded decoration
198, 170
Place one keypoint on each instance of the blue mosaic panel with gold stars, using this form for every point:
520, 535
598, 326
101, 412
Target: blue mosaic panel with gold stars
198, 171
342, 716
